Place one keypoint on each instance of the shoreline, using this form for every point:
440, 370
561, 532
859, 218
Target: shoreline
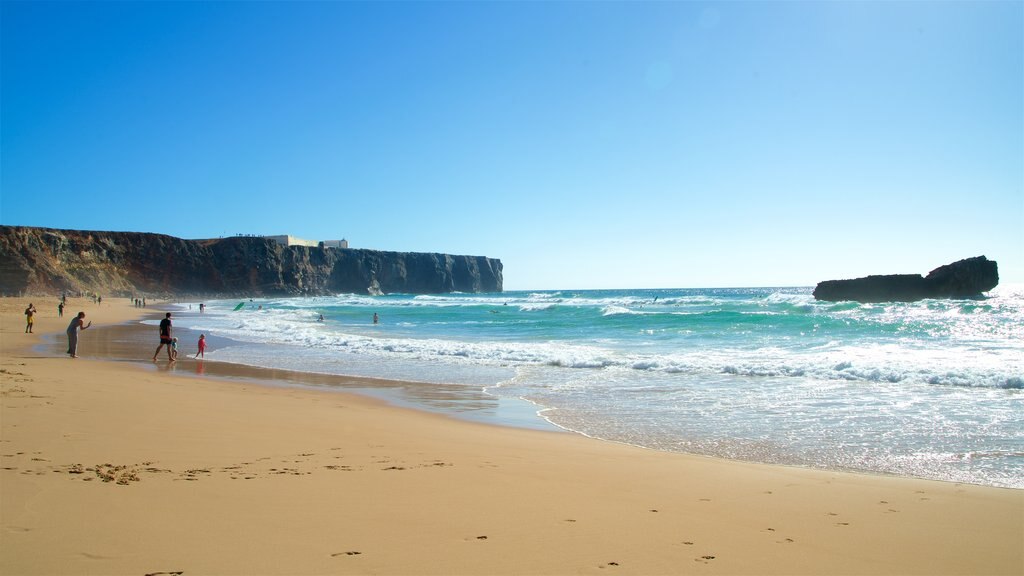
773, 450
371, 388
455, 401
131, 342
237, 477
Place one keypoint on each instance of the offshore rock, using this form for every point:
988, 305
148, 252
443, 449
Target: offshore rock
43, 260
967, 278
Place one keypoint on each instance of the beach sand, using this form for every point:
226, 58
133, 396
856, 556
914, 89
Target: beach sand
125, 468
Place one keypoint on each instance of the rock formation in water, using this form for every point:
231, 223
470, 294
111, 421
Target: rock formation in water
967, 278
43, 260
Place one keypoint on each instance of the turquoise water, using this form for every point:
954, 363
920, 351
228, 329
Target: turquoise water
932, 389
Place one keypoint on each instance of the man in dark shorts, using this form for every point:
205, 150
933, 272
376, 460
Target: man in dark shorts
165, 338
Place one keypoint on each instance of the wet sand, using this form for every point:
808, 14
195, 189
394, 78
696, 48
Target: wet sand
111, 467
135, 342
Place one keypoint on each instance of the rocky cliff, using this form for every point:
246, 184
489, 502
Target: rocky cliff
967, 278
43, 260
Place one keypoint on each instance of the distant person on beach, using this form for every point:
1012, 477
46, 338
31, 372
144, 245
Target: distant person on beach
77, 324
202, 346
60, 309
202, 307
165, 338
30, 312
375, 318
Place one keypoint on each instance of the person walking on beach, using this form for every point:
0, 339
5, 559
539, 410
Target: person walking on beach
174, 348
165, 338
60, 309
30, 312
77, 324
202, 346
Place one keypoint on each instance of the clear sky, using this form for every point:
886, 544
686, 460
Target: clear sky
585, 144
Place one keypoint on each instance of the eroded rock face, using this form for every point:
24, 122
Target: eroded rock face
968, 278
123, 263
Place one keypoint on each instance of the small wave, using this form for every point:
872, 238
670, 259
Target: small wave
544, 295
616, 311
537, 306
581, 362
789, 298
1015, 383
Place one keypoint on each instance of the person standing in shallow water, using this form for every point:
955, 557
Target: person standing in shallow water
165, 339
77, 324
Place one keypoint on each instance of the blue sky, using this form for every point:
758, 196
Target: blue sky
585, 144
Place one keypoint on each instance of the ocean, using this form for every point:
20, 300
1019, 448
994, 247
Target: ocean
931, 389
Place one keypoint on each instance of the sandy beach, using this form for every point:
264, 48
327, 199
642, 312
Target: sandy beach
124, 468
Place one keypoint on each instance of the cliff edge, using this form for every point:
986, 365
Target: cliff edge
45, 260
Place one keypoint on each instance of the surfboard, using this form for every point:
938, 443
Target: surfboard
239, 307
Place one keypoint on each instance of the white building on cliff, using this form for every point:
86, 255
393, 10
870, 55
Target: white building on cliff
288, 240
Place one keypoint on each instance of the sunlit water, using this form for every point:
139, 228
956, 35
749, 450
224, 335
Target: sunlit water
932, 389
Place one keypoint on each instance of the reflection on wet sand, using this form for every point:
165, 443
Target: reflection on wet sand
136, 342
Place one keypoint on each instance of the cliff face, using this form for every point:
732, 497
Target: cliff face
45, 260
962, 279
